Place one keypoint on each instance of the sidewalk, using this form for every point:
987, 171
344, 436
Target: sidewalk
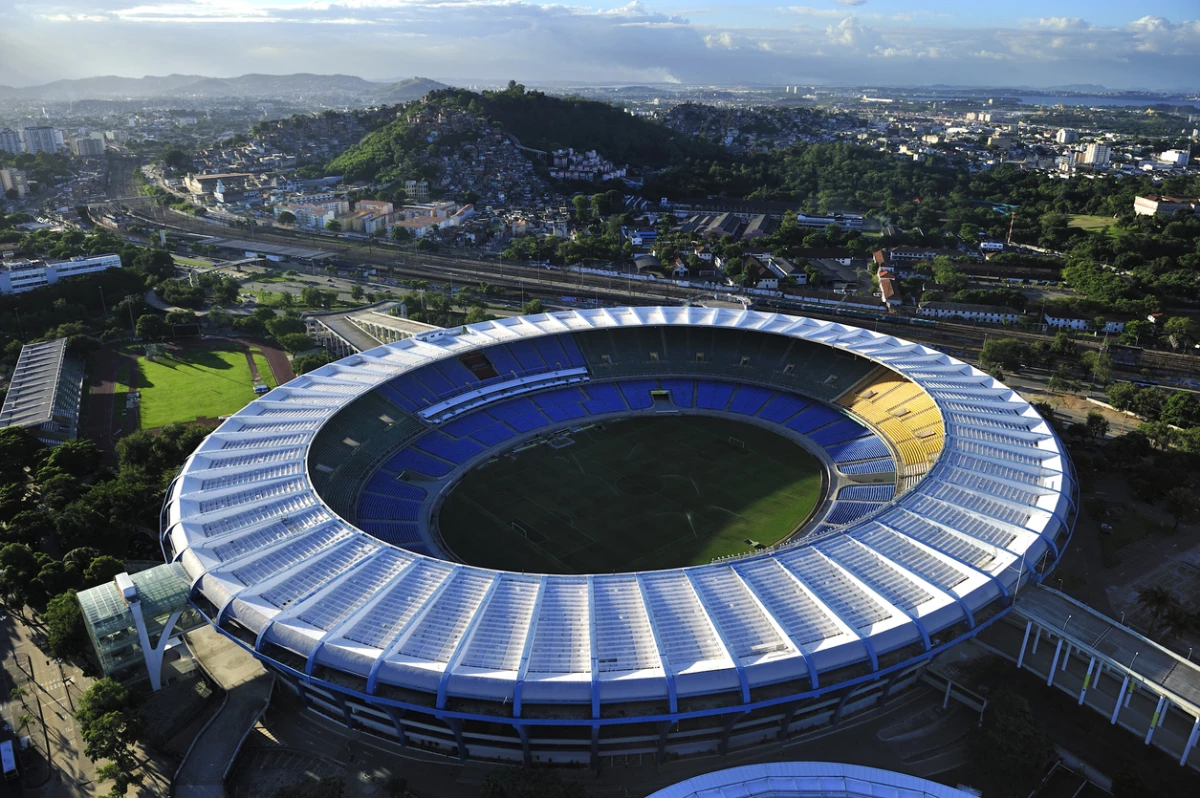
247, 688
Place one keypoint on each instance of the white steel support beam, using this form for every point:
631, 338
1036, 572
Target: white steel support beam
1054, 664
1087, 680
1155, 718
1120, 699
1024, 643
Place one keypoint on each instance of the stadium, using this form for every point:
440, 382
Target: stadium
585, 536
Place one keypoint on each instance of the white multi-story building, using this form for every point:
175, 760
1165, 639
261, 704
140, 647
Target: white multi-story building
11, 141
13, 179
87, 146
1175, 157
26, 275
992, 314
1066, 136
1097, 154
41, 139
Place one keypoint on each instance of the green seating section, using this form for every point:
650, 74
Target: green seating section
804, 366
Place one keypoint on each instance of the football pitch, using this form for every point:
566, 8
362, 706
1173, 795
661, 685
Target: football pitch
633, 495
189, 384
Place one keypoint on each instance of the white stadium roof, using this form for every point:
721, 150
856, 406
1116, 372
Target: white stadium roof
807, 780
246, 523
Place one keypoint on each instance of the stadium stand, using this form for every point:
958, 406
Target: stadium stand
904, 413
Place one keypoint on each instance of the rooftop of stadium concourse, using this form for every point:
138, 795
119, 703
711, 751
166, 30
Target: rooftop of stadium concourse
937, 558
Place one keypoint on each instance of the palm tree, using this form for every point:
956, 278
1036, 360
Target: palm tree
18, 693
1158, 599
1177, 622
24, 720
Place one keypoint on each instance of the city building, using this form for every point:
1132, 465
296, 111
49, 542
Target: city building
1175, 157
133, 622
41, 139
11, 141
992, 314
1164, 206
26, 275
44, 393
1097, 154
86, 146
1066, 136
13, 179
201, 185
808, 780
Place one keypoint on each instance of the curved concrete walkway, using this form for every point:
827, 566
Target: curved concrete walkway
247, 688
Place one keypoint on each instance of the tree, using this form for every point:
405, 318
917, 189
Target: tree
180, 316
948, 275
306, 363
102, 569
1008, 353
333, 226
399, 233
151, 327
1182, 506
286, 217
1097, 425
1099, 365
356, 292
1185, 329
533, 307
296, 342
1157, 599
312, 297
80, 458
1158, 433
220, 319
66, 635
1063, 346
1010, 748
1134, 331
1061, 381
477, 313
1121, 395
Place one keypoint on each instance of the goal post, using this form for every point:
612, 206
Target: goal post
737, 442
520, 530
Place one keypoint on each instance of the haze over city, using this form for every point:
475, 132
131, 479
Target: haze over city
1154, 46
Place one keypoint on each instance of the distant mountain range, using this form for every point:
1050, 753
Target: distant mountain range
112, 87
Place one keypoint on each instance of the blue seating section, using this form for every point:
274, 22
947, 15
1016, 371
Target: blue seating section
681, 391
605, 399
839, 431
782, 407
375, 505
385, 482
447, 448
749, 399
520, 414
637, 392
713, 395
466, 425
504, 361
847, 512
559, 352
494, 433
868, 467
527, 355
868, 493
811, 418
860, 449
411, 459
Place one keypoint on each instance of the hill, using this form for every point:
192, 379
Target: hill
536, 120
405, 91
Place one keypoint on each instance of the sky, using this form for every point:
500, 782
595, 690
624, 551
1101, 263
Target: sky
1153, 44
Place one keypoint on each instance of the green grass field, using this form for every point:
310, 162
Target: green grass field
1104, 225
195, 263
195, 384
264, 369
640, 494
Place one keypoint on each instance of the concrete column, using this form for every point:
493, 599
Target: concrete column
946, 696
1155, 719
1191, 742
153, 653
1024, 642
1087, 680
1054, 664
1120, 699
1066, 657
1037, 638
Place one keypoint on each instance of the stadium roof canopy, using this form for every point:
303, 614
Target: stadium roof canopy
807, 780
267, 553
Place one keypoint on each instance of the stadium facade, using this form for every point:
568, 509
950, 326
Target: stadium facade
307, 524
808, 780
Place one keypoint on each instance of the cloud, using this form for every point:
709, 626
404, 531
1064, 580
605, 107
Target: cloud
853, 36
1064, 23
809, 11
850, 2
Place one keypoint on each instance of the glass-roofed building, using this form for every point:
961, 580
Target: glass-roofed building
132, 619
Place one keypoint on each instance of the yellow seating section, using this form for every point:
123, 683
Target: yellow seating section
903, 413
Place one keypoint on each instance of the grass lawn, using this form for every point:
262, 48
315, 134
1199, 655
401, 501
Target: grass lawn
193, 384
639, 494
1105, 225
264, 369
195, 263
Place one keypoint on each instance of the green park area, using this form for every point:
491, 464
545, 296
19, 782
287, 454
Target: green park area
1104, 225
185, 385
